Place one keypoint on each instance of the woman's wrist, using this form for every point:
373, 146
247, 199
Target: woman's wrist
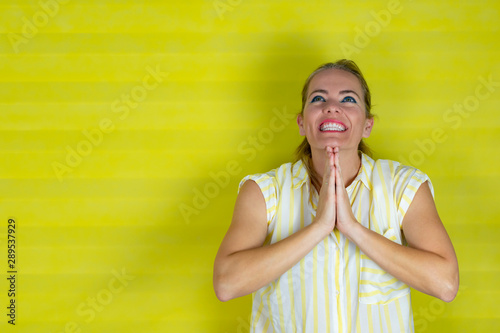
323, 228
354, 231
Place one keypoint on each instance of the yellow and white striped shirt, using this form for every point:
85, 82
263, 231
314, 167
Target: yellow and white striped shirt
336, 287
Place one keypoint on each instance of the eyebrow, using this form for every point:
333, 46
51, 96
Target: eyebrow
323, 91
349, 91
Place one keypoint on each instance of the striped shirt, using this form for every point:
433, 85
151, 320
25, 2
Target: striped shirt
336, 287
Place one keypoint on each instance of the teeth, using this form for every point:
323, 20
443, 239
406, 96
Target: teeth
332, 127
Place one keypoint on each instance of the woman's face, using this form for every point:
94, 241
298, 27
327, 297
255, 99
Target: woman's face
334, 112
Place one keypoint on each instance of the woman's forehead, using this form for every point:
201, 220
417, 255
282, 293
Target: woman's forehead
335, 79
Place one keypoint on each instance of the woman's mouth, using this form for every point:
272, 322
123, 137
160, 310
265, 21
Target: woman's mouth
330, 126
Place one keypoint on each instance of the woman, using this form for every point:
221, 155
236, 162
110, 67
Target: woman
334, 241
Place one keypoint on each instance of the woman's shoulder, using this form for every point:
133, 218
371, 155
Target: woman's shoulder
276, 176
270, 184
387, 165
397, 175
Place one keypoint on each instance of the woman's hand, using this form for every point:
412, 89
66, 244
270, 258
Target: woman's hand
326, 212
334, 208
345, 218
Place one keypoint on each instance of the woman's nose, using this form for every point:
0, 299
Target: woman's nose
332, 108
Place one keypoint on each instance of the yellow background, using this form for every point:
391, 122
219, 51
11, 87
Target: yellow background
227, 69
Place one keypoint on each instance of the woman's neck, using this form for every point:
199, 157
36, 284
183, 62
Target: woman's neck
350, 162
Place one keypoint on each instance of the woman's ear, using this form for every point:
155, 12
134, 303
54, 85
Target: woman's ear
300, 122
368, 127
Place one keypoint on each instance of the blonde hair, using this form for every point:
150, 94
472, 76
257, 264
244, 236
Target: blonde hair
303, 151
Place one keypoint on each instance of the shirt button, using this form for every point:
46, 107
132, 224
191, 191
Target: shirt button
337, 292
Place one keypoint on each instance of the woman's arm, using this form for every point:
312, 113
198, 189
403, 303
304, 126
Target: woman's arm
428, 264
243, 265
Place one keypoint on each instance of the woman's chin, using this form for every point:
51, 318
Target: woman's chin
335, 143
330, 143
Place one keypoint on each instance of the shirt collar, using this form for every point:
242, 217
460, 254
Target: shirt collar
300, 175
365, 171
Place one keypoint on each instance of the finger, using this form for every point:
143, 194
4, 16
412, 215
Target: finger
341, 191
338, 170
327, 170
330, 176
328, 165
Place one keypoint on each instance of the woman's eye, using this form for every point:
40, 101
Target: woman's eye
317, 99
349, 99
